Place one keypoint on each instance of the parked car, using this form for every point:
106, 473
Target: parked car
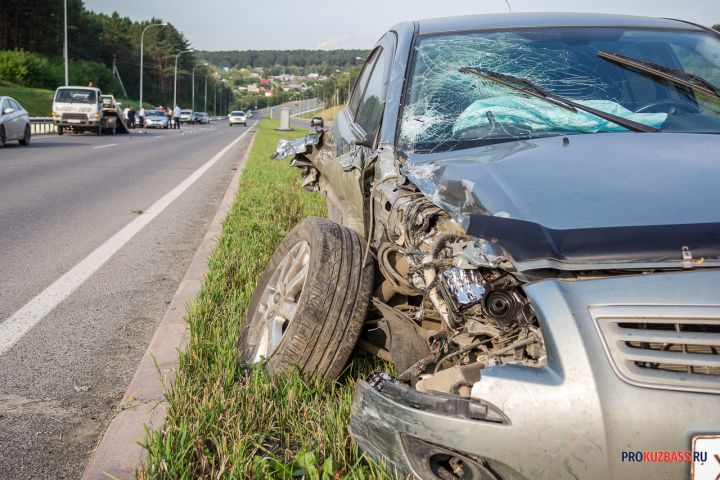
186, 116
14, 122
237, 118
157, 119
200, 117
522, 218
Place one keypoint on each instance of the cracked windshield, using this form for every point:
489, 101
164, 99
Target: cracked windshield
667, 82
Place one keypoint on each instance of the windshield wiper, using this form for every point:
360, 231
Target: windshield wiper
677, 77
527, 87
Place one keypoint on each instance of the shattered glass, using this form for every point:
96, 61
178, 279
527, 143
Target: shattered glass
447, 109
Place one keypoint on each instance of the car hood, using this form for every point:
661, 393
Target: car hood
626, 184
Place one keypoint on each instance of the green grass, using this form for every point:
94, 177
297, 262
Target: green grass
37, 101
328, 114
224, 421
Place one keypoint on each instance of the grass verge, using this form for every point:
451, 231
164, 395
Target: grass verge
328, 114
225, 421
37, 101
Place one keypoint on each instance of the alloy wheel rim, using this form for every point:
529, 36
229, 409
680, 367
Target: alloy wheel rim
279, 301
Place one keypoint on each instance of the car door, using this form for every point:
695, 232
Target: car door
354, 136
9, 120
20, 118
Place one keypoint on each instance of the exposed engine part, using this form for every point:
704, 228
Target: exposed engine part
462, 288
395, 269
452, 300
476, 253
505, 304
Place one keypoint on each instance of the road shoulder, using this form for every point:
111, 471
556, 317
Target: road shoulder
143, 406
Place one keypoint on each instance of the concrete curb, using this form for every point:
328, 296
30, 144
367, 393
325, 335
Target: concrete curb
143, 406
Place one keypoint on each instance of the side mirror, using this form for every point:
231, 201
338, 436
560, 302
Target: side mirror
8, 110
317, 122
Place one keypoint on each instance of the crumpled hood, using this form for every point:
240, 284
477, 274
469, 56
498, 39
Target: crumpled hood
592, 201
596, 180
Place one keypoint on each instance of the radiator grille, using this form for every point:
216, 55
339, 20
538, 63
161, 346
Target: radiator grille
675, 347
75, 116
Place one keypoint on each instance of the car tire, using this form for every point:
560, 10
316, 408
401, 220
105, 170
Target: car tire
25, 140
2, 137
60, 130
323, 308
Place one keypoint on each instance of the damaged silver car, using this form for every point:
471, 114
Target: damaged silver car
523, 219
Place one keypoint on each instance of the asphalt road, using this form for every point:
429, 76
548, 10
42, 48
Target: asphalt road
60, 199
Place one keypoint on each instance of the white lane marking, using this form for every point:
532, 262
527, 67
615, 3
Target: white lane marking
22, 321
105, 146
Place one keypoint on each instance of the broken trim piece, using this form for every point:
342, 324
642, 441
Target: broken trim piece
436, 402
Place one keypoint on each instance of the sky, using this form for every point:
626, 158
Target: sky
331, 24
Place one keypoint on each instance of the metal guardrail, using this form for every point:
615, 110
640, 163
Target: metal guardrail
42, 126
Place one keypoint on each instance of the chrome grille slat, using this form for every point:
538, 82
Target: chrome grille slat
674, 358
660, 336
664, 346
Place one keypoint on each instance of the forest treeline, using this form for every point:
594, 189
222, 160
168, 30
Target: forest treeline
286, 61
31, 49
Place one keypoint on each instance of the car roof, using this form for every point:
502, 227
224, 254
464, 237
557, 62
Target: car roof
527, 20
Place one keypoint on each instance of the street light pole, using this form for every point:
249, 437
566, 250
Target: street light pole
206, 77
175, 85
142, 38
65, 48
193, 84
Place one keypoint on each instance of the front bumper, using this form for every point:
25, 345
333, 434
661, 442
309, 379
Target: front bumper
573, 418
93, 123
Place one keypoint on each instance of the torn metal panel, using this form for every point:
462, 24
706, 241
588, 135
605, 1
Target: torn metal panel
287, 148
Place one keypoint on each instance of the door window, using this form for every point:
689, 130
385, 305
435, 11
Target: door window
362, 82
370, 110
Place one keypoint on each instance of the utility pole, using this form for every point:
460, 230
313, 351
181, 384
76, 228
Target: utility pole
65, 47
206, 77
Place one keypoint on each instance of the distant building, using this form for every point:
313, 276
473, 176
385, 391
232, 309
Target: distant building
269, 93
254, 75
253, 88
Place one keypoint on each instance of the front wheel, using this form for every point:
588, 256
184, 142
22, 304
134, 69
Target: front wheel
308, 308
25, 140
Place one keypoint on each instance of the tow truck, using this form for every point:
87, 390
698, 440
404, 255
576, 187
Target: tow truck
81, 109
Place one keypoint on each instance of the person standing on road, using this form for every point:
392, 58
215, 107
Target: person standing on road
131, 117
176, 117
169, 113
141, 116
